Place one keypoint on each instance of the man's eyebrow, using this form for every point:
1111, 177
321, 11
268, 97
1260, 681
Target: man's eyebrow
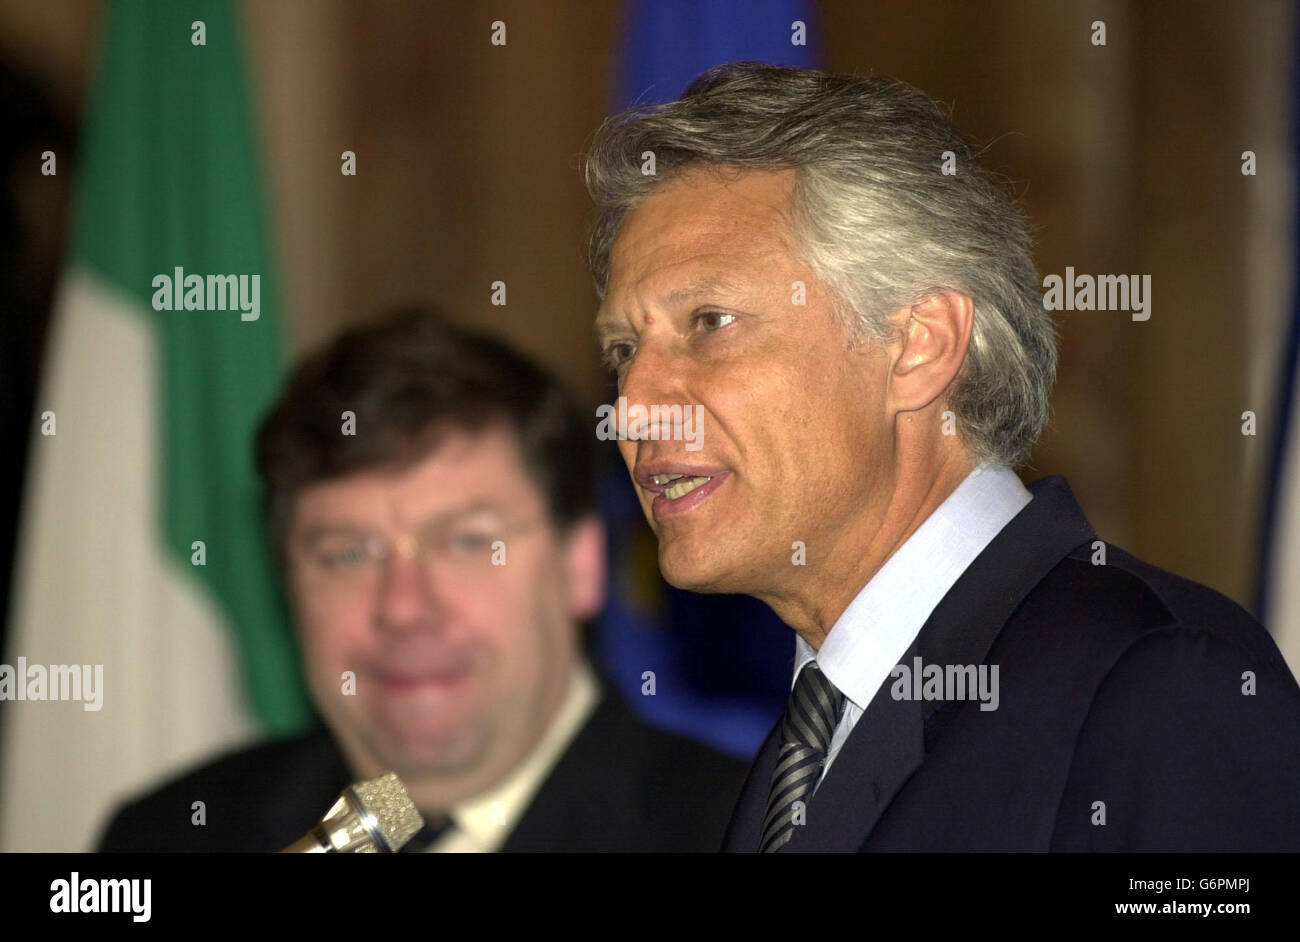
608, 325
713, 284
320, 531
460, 514
317, 531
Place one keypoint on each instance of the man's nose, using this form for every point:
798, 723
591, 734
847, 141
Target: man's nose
655, 377
409, 596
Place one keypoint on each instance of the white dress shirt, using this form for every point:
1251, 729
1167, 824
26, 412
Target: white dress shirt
882, 621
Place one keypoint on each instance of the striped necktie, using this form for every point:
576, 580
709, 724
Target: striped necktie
806, 730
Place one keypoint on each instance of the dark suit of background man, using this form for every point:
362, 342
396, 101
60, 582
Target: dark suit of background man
865, 336
443, 554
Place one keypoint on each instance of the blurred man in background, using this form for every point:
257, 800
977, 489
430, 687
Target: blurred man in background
820, 266
430, 495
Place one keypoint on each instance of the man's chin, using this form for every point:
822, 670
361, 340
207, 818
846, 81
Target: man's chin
685, 567
417, 754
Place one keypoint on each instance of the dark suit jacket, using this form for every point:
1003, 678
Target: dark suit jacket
1121, 690
620, 786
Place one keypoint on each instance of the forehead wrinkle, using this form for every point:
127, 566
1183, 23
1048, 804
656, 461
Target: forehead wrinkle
701, 274
712, 237
735, 278
702, 287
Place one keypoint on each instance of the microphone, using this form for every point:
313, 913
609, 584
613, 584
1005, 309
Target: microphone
374, 817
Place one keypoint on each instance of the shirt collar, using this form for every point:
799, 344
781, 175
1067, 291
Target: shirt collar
883, 620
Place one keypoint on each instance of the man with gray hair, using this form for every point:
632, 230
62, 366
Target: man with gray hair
974, 668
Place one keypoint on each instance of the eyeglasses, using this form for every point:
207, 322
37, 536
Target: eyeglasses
475, 548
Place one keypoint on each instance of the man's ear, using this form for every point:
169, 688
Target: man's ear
584, 562
934, 336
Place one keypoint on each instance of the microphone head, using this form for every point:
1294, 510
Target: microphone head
374, 817
395, 816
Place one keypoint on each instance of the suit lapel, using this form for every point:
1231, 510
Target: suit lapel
880, 755
555, 819
965, 623
302, 792
746, 828
890, 740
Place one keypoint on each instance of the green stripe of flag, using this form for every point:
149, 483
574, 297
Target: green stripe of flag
170, 179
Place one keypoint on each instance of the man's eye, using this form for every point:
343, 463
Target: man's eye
344, 557
713, 320
470, 543
616, 354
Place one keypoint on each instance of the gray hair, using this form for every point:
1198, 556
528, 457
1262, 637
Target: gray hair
874, 218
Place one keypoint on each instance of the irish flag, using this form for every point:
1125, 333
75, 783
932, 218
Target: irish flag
141, 549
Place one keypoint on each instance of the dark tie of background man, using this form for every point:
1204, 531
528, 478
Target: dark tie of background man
424, 838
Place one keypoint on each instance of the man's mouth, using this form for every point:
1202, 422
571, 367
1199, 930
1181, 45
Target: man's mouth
679, 490
422, 672
679, 485
413, 682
